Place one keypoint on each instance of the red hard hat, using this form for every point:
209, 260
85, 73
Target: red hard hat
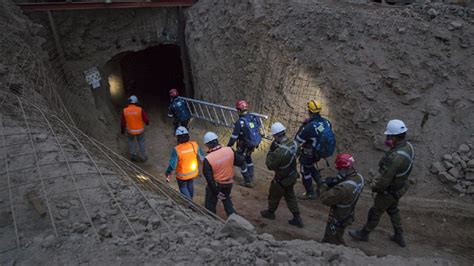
173, 92
241, 105
344, 160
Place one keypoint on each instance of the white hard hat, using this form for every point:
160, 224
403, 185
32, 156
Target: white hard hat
277, 128
181, 131
395, 127
209, 136
133, 99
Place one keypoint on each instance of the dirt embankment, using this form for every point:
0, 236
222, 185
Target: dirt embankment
366, 64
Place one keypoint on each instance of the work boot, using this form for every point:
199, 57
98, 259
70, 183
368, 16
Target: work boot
134, 158
268, 214
144, 158
398, 238
248, 184
360, 235
296, 221
308, 196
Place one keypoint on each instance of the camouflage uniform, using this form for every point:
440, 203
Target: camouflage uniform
395, 168
282, 160
342, 198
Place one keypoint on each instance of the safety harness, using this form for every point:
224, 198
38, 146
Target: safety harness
410, 158
358, 187
291, 150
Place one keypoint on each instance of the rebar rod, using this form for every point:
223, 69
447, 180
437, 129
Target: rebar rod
38, 168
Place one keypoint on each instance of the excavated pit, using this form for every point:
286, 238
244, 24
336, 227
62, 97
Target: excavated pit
366, 65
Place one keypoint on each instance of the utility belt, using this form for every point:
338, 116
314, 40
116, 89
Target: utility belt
287, 180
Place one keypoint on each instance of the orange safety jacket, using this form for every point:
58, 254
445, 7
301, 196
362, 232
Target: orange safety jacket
222, 164
134, 119
187, 167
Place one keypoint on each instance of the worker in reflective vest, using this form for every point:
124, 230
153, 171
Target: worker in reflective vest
218, 169
184, 160
133, 121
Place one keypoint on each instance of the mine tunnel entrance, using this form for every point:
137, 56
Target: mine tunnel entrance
149, 74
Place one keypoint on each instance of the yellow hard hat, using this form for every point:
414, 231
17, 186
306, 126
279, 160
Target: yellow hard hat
314, 107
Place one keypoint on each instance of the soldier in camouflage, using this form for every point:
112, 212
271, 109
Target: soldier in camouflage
341, 193
394, 168
282, 159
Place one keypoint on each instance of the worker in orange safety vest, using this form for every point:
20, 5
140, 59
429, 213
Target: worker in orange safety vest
218, 169
184, 160
133, 121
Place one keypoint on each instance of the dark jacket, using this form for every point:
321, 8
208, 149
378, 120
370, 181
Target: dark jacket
343, 197
282, 159
394, 169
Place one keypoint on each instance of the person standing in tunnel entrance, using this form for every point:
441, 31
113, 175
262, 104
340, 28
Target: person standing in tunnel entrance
133, 121
317, 141
282, 158
218, 169
394, 169
341, 193
184, 160
178, 110
248, 135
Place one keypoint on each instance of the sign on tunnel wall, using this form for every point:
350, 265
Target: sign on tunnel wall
93, 77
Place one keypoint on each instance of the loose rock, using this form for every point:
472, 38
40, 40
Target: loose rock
463, 148
446, 177
236, 226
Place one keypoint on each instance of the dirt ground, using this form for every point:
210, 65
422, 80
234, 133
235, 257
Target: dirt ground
433, 227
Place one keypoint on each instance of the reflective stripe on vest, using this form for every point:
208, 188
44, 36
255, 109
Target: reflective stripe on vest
222, 164
357, 190
187, 166
134, 119
410, 158
292, 151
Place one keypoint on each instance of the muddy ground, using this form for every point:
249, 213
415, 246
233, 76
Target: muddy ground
436, 227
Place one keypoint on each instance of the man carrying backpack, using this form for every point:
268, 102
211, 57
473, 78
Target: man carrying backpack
317, 141
247, 134
178, 110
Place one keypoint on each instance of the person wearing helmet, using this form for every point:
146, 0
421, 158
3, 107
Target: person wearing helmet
133, 121
218, 169
184, 160
391, 184
317, 141
248, 135
282, 158
178, 110
341, 194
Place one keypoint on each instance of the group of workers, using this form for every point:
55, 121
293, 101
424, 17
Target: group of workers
314, 141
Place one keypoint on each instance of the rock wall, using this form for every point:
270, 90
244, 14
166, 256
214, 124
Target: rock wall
366, 64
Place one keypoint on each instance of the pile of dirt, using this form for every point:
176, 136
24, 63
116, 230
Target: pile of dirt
456, 169
367, 64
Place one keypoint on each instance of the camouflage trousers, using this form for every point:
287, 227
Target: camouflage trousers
384, 203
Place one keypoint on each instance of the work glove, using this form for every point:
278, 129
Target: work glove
332, 181
170, 115
168, 175
221, 196
122, 131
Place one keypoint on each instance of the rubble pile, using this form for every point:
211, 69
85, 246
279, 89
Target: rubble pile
456, 169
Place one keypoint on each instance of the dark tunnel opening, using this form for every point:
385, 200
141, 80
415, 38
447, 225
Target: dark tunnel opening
151, 73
